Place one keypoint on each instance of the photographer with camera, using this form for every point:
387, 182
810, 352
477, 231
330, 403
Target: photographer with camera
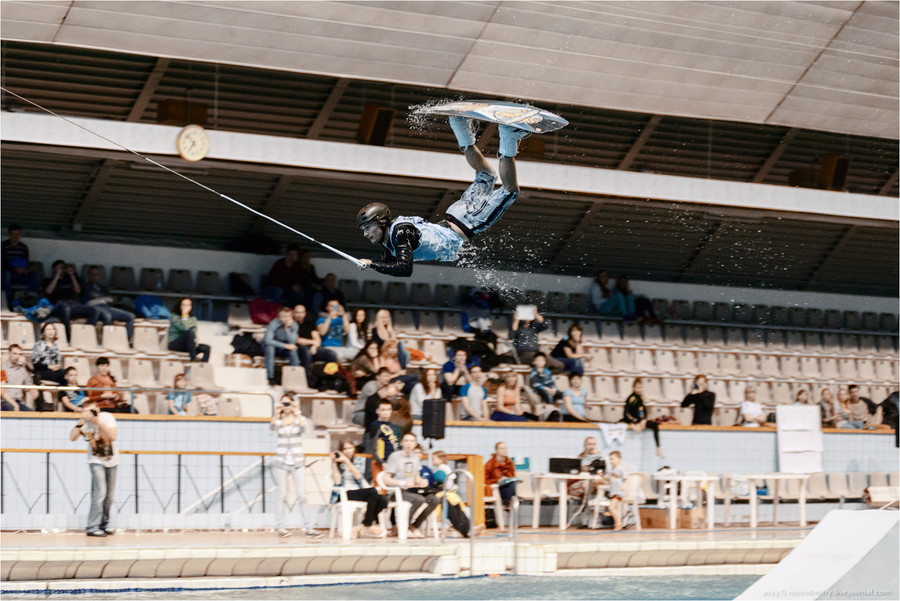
64, 290
347, 471
100, 431
290, 462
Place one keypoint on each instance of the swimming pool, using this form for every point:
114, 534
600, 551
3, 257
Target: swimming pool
504, 587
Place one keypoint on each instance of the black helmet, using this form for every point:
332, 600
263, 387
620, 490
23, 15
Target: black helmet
373, 212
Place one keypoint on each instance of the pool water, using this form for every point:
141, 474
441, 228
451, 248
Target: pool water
504, 587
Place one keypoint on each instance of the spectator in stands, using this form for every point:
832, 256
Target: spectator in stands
363, 414
635, 414
402, 416
642, 309
525, 330
309, 342
752, 415
107, 400
347, 472
367, 363
456, 374
13, 248
97, 295
570, 351
358, 331
100, 431
826, 406
179, 398
390, 391
382, 437
856, 398
332, 328
286, 278
45, 356
17, 374
14, 258
72, 400
574, 400
390, 359
327, 293
183, 332
541, 381
703, 400
601, 296
21, 284
851, 415
501, 470
509, 401
289, 424
802, 397
474, 397
281, 340
64, 289
428, 388
383, 331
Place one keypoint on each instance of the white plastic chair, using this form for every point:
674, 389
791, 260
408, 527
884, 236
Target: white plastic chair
401, 508
348, 511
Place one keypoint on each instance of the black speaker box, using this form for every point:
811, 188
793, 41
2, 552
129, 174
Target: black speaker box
434, 414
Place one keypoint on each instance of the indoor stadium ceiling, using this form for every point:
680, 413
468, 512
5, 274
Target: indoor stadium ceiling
94, 194
828, 66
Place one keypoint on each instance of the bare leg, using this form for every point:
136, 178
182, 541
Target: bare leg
476, 160
614, 512
508, 174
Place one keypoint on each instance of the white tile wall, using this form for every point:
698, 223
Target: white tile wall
24, 474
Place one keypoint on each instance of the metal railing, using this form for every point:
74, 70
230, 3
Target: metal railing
132, 391
470, 493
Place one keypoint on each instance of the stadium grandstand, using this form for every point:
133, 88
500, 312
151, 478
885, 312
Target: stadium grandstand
738, 162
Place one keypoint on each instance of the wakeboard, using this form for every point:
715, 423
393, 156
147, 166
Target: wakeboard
522, 116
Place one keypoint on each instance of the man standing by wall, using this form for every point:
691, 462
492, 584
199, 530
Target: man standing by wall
100, 431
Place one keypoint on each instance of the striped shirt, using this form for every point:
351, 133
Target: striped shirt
290, 443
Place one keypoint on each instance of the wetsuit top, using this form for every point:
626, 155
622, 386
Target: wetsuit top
414, 239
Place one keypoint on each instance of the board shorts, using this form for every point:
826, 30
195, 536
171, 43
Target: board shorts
480, 206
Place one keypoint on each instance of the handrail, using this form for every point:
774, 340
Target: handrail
514, 531
131, 452
470, 489
132, 390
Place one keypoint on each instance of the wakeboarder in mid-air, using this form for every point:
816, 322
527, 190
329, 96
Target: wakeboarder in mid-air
407, 239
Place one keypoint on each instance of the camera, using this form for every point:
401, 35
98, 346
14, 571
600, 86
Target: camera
94, 412
336, 455
597, 466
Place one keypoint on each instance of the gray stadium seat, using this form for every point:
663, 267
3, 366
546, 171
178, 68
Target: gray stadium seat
815, 318
870, 321
350, 288
421, 296
397, 293
743, 313
723, 312
373, 292
888, 322
152, 279
852, 320
122, 278
702, 311
181, 281
209, 282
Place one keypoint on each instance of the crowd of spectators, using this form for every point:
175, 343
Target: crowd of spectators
313, 328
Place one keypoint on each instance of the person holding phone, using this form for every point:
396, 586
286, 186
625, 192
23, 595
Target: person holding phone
347, 469
703, 400
527, 323
290, 462
100, 431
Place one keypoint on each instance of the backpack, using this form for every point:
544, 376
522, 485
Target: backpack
151, 307
246, 344
35, 309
